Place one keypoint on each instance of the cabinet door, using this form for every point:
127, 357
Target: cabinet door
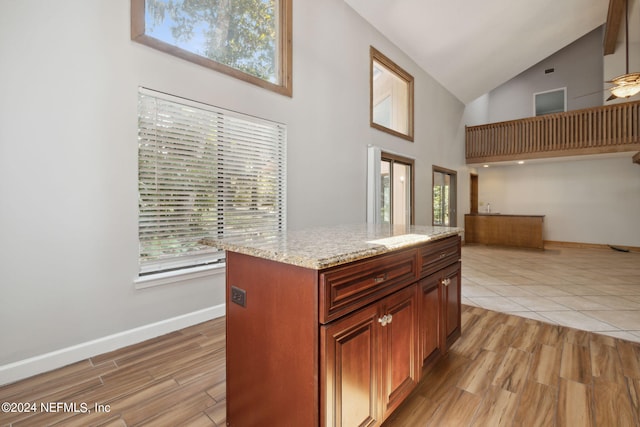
399, 343
452, 280
350, 366
430, 319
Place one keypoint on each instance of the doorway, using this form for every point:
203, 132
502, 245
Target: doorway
396, 175
473, 178
444, 197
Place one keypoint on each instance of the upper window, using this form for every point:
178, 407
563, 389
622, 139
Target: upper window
247, 39
551, 101
391, 97
203, 172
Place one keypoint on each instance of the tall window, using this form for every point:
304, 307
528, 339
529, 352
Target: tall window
444, 197
203, 171
247, 39
390, 188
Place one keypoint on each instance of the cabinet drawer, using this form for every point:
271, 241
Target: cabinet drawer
347, 288
439, 254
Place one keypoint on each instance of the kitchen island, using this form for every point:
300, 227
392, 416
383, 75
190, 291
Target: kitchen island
336, 325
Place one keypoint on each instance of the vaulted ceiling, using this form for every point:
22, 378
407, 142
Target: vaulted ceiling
472, 47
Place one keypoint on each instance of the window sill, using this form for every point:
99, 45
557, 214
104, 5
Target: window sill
169, 277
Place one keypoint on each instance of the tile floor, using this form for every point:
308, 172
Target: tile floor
590, 289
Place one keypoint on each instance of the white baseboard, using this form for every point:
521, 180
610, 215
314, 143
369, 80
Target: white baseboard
56, 359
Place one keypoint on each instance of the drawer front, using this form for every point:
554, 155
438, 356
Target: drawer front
347, 288
438, 255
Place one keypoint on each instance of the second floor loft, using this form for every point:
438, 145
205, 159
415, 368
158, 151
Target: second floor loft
598, 130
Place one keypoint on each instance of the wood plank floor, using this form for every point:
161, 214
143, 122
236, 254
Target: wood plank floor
512, 371
176, 379
504, 371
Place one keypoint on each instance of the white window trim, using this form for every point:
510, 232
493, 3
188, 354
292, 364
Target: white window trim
170, 277
374, 157
560, 89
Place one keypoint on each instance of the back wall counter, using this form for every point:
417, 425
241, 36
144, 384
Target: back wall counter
524, 231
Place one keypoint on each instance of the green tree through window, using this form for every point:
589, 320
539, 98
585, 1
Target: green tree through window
250, 36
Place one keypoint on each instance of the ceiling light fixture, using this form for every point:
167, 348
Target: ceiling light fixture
627, 84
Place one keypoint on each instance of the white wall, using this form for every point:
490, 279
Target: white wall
578, 67
586, 201
68, 157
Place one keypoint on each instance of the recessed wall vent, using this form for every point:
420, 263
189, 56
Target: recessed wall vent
549, 70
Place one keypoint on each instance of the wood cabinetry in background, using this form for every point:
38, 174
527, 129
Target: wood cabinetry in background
343, 346
525, 231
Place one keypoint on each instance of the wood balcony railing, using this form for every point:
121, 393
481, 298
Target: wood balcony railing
606, 129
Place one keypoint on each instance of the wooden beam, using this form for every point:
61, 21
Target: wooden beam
612, 27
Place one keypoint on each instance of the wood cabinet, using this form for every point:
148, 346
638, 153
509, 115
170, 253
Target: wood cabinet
524, 231
350, 378
341, 346
451, 299
440, 313
370, 361
432, 345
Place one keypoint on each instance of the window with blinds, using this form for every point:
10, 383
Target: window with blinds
204, 172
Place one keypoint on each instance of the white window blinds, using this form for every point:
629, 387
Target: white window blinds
204, 171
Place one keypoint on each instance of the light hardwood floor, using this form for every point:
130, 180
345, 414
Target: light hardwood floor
176, 379
505, 370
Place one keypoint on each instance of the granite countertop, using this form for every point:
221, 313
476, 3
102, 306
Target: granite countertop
324, 247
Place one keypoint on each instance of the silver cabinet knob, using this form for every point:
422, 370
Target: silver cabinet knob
385, 320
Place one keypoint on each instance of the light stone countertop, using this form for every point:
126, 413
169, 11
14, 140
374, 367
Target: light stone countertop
323, 247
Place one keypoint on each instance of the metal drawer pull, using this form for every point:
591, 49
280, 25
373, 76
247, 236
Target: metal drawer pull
380, 278
446, 281
443, 254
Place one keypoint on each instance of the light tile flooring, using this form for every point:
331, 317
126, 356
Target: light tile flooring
590, 289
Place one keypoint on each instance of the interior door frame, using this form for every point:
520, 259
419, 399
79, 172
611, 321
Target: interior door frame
453, 194
394, 158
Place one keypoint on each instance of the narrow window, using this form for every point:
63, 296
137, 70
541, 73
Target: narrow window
444, 197
203, 171
392, 194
